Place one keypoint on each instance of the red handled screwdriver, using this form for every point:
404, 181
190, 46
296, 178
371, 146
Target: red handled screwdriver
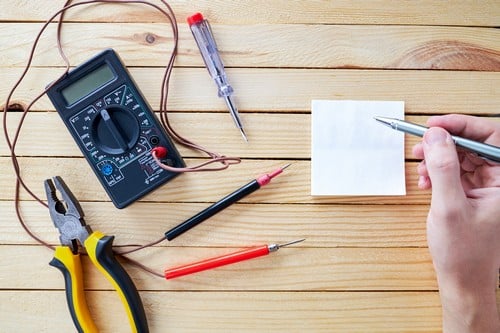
231, 258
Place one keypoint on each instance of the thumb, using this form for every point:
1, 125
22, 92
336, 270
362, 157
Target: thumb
443, 167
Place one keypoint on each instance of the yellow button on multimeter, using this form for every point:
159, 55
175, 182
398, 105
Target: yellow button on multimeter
114, 127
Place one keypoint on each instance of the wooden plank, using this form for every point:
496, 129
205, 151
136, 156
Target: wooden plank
217, 131
469, 13
267, 45
291, 187
364, 266
291, 90
240, 224
233, 311
335, 269
274, 136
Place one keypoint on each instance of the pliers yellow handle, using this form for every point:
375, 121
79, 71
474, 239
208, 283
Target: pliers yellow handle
68, 218
71, 267
99, 249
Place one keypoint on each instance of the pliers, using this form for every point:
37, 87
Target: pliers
67, 216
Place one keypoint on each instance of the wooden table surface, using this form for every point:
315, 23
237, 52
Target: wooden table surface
364, 266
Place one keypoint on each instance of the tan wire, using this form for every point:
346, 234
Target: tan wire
12, 141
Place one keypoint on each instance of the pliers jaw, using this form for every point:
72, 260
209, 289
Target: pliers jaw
67, 215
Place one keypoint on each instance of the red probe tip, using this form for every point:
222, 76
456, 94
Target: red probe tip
195, 18
266, 179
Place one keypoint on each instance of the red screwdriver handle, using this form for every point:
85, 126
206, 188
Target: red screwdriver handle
226, 259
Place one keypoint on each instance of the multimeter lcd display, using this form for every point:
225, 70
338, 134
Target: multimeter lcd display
87, 84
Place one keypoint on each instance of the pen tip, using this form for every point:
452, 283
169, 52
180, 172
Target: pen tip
383, 120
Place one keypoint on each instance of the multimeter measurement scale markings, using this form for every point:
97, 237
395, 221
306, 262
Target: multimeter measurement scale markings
87, 123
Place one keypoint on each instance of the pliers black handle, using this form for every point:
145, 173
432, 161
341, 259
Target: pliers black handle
68, 218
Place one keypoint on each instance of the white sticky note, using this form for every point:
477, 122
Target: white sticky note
351, 153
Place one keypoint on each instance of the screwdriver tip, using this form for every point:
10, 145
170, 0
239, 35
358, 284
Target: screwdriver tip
286, 166
243, 134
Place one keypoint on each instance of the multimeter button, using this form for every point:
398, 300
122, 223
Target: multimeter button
107, 169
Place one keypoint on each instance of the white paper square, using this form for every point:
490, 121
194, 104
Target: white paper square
351, 153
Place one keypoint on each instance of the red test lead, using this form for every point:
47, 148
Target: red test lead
228, 200
231, 258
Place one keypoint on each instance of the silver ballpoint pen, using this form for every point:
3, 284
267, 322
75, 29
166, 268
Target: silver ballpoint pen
484, 150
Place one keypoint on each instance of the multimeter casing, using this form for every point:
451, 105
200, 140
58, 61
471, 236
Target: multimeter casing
114, 127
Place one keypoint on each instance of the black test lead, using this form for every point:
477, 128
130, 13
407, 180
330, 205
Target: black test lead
228, 200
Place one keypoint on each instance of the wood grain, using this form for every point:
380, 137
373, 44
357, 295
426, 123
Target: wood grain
293, 187
334, 225
291, 90
262, 129
335, 269
426, 12
268, 45
237, 311
365, 265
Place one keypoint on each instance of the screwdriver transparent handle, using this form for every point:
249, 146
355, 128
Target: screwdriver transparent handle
208, 49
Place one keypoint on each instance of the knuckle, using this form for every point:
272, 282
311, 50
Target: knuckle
443, 162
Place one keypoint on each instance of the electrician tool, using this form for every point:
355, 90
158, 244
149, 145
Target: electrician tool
67, 216
203, 36
225, 202
231, 258
114, 127
483, 150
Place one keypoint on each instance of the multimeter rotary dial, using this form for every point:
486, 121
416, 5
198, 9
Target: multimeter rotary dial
115, 129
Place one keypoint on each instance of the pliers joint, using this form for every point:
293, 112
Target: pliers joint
67, 214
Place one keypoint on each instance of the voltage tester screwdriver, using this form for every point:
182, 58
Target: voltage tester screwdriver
228, 200
250, 253
208, 48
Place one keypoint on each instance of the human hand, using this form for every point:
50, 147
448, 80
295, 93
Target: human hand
463, 225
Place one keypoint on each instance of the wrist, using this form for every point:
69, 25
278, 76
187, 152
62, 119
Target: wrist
469, 306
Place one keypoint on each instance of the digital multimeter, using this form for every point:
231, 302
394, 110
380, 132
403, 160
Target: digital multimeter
114, 127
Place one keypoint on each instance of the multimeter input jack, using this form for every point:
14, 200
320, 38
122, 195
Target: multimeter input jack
154, 140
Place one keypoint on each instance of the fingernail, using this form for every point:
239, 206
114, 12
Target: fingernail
435, 136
